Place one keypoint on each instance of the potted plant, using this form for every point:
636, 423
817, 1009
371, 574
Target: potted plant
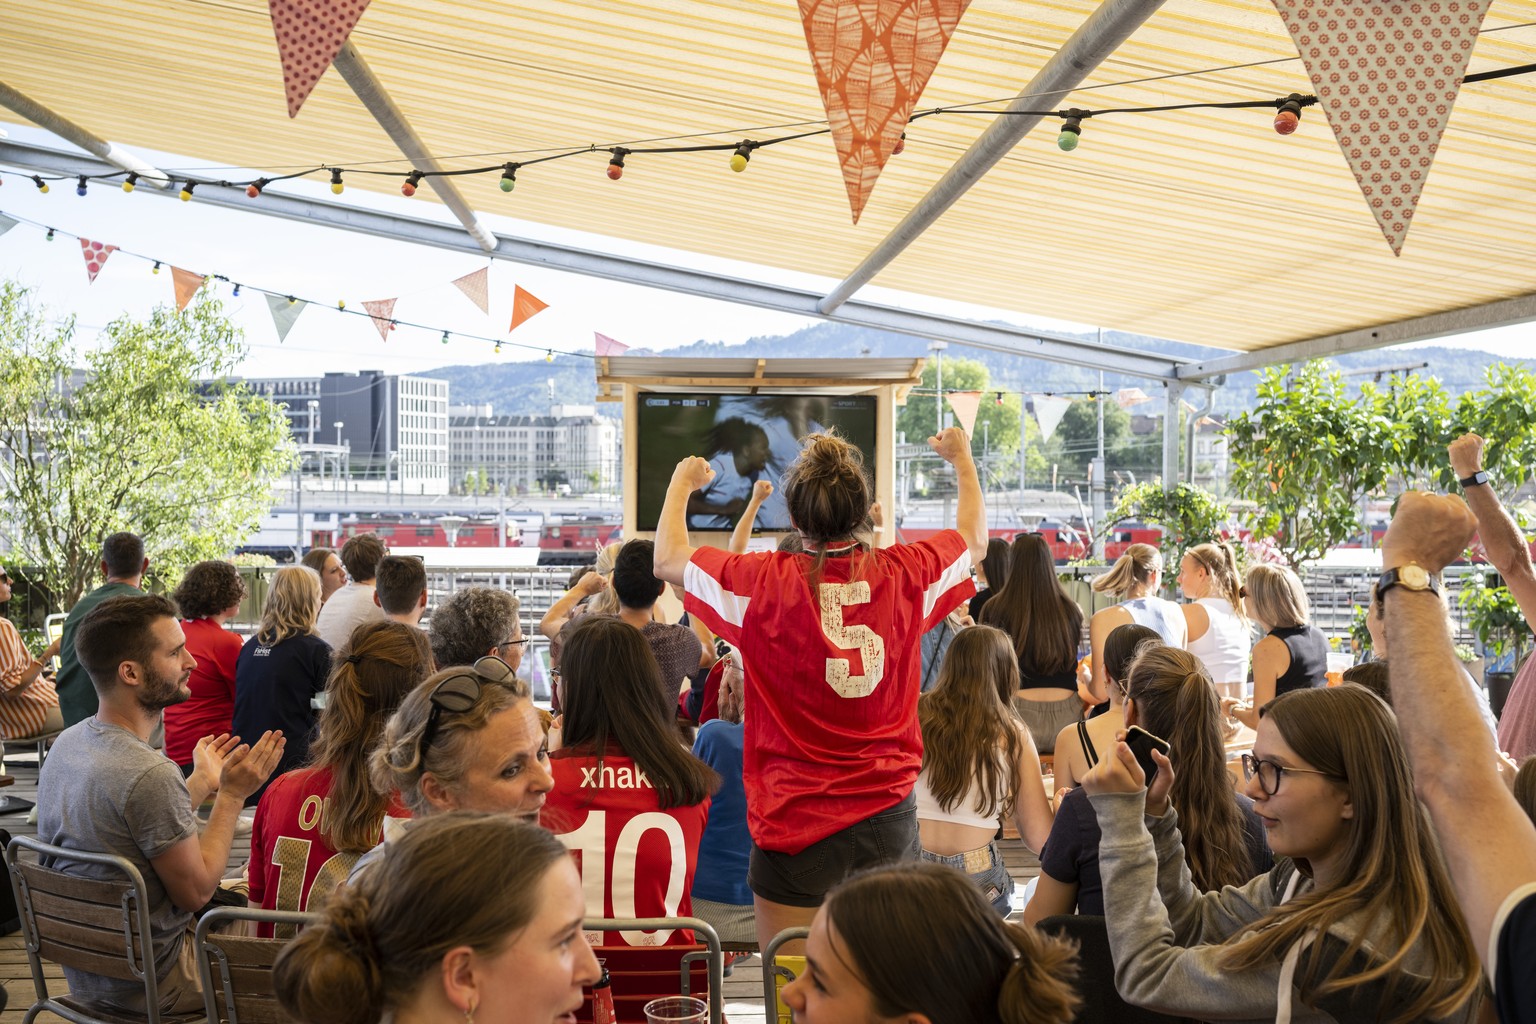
1495, 619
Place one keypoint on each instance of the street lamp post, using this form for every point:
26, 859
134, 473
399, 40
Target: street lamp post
314, 411
938, 347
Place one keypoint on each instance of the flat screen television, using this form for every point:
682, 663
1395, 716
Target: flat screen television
746, 438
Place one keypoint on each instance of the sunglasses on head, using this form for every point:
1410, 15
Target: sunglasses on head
5, 577
460, 691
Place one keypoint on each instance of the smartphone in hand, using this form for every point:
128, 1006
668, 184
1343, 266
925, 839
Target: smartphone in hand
1142, 743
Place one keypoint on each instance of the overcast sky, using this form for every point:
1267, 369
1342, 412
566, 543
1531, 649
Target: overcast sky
326, 265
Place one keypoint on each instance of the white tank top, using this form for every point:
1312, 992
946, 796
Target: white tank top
964, 813
1224, 648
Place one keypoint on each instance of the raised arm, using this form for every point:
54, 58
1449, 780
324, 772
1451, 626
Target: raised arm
560, 612
761, 490
673, 551
1502, 540
1489, 843
954, 447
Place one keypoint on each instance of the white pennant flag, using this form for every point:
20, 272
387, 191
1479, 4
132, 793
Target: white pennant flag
284, 312
1049, 409
6, 223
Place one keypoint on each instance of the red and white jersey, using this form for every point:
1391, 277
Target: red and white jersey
831, 686
293, 866
636, 858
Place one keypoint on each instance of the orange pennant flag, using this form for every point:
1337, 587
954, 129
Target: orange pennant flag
187, 283
524, 305
310, 33
382, 312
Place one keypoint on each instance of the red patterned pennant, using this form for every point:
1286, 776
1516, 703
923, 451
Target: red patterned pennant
606, 346
524, 305
382, 312
95, 256
872, 60
478, 287
1386, 76
187, 283
309, 35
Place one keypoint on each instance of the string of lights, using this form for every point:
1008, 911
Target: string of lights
237, 288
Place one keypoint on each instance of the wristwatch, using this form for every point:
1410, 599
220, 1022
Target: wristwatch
1480, 477
1410, 577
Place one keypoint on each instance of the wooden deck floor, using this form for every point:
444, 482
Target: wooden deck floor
743, 990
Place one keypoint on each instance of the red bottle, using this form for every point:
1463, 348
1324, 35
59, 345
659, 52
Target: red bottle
602, 1001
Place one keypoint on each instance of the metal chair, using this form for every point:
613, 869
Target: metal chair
237, 969
625, 962
773, 974
87, 924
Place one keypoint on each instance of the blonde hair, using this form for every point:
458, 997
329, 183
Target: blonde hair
292, 605
605, 601
1220, 563
1139, 564
1279, 599
398, 762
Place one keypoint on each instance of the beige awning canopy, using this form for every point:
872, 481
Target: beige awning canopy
1201, 226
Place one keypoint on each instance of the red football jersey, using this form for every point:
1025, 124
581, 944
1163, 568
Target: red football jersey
292, 866
636, 858
831, 688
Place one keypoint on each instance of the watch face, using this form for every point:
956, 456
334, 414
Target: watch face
1414, 577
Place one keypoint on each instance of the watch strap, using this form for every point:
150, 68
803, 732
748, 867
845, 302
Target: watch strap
1392, 578
1476, 479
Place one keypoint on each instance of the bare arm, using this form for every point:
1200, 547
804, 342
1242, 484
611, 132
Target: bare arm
1489, 843
1270, 660
560, 612
1031, 807
970, 506
742, 534
1501, 537
1051, 898
673, 551
1100, 626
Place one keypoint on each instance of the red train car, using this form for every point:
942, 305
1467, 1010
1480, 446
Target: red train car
423, 533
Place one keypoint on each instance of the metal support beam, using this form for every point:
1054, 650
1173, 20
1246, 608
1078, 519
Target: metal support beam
1111, 23
781, 298
371, 91
67, 130
1172, 436
1518, 310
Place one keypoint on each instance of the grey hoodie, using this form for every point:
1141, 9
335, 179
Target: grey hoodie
1166, 935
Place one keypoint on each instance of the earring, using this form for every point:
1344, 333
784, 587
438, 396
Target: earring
469, 1014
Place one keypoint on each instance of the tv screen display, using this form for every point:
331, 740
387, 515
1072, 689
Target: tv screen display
746, 438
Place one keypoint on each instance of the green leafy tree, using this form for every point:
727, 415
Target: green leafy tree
1504, 414
1076, 441
1188, 514
134, 440
997, 426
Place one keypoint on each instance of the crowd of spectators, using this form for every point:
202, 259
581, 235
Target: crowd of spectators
776, 761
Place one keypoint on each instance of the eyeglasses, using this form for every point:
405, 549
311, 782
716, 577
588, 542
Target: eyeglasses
5, 577
460, 692
1270, 773
509, 642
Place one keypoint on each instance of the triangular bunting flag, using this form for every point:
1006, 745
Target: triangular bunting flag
309, 35
1127, 397
187, 283
1049, 409
1386, 76
95, 256
524, 305
382, 311
6, 223
965, 404
478, 287
284, 312
606, 346
872, 60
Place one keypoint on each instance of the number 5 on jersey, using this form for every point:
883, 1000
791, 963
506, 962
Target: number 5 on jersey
871, 647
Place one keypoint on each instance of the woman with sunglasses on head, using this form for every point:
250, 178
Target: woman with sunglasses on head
28, 702
1357, 921
1169, 695
626, 794
1292, 654
917, 944
468, 738
423, 939
313, 823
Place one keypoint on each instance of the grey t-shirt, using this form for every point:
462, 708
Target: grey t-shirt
104, 790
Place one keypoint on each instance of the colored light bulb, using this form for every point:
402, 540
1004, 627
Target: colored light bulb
1288, 114
508, 178
236, 293
156, 268
616, 164
50, 235
80, 186
740, 157
42, 186
254, 188
341, 303
337, 187
1067, 140
549, 356
411, 181
129, 182
498, 348
186, 192
445, 337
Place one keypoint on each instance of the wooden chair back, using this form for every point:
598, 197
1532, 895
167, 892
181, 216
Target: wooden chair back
236, 968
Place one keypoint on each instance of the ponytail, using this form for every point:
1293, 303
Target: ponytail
331, 972
1040, 986
1219, 560
1138, 565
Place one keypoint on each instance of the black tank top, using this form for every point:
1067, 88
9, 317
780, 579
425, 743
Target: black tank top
1309, 658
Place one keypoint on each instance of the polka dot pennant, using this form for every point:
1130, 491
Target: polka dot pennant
309, 35
872, 59
1386, 75
382, 311
95, 256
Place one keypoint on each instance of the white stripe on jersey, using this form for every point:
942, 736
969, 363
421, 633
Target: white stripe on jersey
958, 572
730, 607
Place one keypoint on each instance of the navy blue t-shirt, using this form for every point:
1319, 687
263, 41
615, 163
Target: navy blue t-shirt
726, 846
1071, 853
1514, 989
273, 690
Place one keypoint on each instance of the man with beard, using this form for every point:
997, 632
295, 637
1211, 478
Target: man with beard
104, 789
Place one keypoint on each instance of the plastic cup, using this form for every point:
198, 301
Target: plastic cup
676, 1010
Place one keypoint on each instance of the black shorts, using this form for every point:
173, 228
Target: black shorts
803, 879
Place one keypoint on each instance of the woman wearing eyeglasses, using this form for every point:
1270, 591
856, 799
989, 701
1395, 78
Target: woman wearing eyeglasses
1293, 654
28, 702
1359, 922
627, 795
468, 738
282, 667
314, 823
